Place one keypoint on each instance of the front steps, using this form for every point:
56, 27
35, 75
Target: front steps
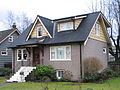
21, 74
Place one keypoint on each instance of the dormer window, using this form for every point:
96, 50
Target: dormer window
39, 31
66, 26
10, 39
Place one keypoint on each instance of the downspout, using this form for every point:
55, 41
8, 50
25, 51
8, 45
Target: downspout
81, 62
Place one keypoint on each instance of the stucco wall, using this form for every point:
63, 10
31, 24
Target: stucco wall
94, 48
72, 66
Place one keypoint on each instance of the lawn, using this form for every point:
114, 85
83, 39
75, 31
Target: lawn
2, 80
108, 85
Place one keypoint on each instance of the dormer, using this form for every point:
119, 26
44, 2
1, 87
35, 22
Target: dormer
39, 28
69, 23
38, 31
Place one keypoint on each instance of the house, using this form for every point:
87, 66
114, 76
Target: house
63, 43
6, 38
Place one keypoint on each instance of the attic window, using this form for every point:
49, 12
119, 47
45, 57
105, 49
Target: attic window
10, 39
66, 26
39, 31
97, 29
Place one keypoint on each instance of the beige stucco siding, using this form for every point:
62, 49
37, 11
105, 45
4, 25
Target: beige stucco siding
94, 48
72, 66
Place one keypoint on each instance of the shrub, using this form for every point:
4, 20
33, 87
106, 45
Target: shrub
100, 77
45, 71
63, 80
7, 71
67, 75
92, 65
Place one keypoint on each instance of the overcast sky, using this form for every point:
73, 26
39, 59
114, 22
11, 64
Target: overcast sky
48, 8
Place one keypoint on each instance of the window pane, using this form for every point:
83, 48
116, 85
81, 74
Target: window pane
39, 30
25, 54
19, 55
97, 29
60, 52
68, 52
60, 73
66, 26
52, 53
11, 39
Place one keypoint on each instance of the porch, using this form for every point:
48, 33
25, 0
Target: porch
31, 55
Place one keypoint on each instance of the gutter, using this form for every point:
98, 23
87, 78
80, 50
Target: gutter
81, 62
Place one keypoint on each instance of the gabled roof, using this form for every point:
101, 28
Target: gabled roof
6, 33
71, 36
46, 23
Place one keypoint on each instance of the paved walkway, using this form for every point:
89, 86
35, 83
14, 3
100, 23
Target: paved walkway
5, 83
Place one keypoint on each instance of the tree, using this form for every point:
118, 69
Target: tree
111, 9
21, 20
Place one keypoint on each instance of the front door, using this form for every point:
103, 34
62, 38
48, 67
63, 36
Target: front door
36, 56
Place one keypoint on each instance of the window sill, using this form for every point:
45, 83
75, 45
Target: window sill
21, 60
60, 60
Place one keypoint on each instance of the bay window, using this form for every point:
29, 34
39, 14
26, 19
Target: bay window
60, 53
21, 55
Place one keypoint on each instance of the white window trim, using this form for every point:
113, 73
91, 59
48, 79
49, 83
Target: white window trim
22, 55
4, 54
65, 53
11, 39
57, 74
37, 31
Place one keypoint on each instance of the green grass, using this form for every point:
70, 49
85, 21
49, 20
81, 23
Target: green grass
2, 80
113, 84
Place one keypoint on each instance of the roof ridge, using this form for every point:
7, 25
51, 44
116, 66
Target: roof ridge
44, 17
76, 16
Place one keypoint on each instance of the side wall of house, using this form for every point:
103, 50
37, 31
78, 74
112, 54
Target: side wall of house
3, 47
94, 48
73, 65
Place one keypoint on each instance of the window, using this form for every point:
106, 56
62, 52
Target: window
39, 31
97, 29
104, 50
21, 54
60, 53
10, 39
59, 74
66, 26
4, 53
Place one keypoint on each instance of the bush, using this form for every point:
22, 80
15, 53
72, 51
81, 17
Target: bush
63, 80
92, 65
100, 77
43, 71
67, 75
7, 71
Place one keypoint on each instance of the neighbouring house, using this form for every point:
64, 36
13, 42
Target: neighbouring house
63, 43
6, 38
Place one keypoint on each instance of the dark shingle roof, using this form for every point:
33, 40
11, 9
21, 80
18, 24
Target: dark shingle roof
5, 33
48, 24
79, 35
